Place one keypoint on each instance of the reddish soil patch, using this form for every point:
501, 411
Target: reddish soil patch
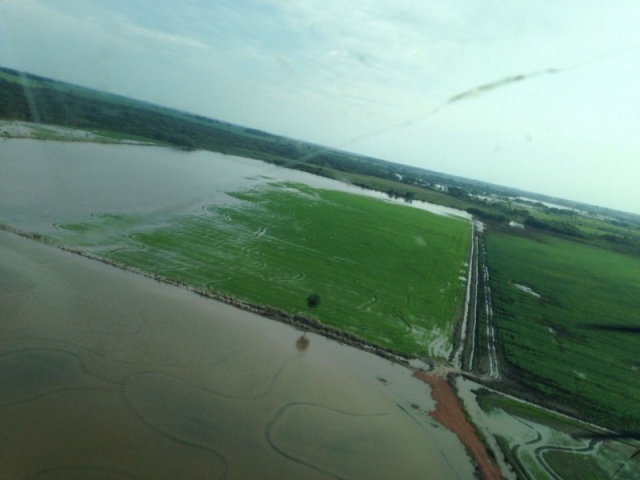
449, 413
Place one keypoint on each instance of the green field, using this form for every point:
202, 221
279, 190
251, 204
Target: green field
391, 274
575, 342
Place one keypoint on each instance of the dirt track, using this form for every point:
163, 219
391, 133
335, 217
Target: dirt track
449, 413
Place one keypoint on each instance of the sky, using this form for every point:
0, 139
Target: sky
542, 96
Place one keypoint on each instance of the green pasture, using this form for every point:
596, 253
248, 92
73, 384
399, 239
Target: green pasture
389, 273
576, 342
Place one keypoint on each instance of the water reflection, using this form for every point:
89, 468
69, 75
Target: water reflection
302, 343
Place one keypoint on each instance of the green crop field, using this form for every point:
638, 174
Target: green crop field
391, 274
567, 317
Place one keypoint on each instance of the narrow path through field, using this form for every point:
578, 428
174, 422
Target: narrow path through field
459, 353
463, 358
473, 306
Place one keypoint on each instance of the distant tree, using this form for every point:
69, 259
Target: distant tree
409, 196
313, 300
392, 193
457, 192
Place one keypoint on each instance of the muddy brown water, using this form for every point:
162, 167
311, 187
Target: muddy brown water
110, 375
46, 183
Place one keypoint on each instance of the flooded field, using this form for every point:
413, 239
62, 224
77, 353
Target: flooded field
101, 368
44, 183
108, 374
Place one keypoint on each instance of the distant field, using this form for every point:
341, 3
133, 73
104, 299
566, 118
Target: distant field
566, 314
388, 273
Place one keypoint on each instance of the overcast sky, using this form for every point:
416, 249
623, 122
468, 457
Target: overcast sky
410, 81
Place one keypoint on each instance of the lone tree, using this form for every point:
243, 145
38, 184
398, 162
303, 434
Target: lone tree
313, 300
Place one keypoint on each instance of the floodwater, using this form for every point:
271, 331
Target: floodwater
43, 183
111, 375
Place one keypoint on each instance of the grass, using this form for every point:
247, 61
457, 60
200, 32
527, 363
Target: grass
489, 401
575, 465
558, 343
388, 273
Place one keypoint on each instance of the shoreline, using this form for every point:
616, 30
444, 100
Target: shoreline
301, 322
450, 414
20, 129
